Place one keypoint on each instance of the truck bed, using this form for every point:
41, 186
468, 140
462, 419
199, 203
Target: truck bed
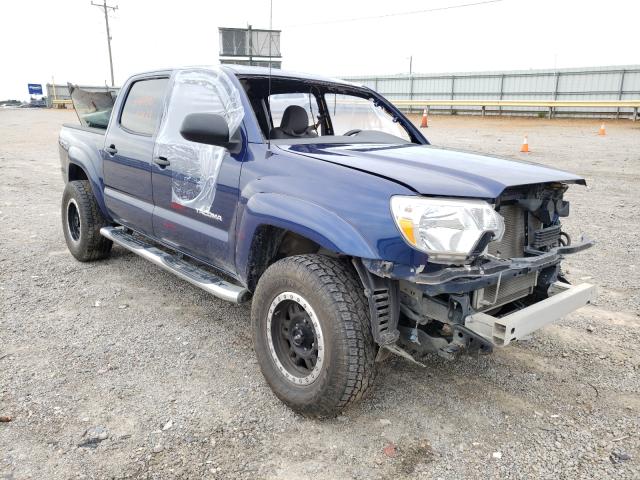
75, 126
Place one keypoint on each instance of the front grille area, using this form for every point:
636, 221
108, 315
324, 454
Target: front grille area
511, 246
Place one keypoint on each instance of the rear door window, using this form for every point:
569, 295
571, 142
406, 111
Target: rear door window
143, 106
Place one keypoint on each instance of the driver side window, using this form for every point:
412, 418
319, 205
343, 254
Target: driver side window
195, 166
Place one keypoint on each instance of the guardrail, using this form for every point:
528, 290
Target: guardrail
551, 105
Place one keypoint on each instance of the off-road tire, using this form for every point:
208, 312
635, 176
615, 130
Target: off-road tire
331, 287
89, 244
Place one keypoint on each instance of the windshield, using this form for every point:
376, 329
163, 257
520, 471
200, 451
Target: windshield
348, 112
293, 110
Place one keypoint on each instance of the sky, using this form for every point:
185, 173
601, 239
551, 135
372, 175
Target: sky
66, 39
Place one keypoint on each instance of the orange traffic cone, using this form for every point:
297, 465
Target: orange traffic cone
602, 132
525, 145
424, 123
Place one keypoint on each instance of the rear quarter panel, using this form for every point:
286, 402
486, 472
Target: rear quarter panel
81, 147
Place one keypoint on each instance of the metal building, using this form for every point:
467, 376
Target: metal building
250, 46
610, 84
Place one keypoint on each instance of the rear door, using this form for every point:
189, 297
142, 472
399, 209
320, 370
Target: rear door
195, 186
128, 152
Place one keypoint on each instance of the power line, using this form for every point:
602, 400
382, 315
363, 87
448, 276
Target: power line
397, 14
106, 7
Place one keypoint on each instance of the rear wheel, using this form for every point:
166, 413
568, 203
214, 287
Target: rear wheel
311, 334
82, 221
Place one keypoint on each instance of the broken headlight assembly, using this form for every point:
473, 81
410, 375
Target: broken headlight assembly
449, 230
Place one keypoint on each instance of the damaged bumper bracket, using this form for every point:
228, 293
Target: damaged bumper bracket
472, 277
501, 331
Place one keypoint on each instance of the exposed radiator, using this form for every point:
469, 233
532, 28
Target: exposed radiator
510, 290
511, 245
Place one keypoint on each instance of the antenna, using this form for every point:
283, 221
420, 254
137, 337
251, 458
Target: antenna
269, 91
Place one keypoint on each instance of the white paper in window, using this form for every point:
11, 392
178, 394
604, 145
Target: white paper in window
195, 166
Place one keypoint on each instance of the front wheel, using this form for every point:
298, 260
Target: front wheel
312, 335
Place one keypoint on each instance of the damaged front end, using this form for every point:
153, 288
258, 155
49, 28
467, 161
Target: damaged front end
510, 284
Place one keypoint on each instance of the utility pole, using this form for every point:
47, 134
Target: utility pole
411, 65
106, 8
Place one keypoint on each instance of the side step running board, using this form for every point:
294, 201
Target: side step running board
192, 274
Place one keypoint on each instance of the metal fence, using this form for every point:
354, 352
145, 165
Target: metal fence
567, 84
58, 94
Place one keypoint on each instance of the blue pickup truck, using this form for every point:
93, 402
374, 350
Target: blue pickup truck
320, 202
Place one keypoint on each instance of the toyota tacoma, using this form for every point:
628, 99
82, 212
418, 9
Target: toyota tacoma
322, 204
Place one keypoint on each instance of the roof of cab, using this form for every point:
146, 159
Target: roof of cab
276, 72
245, 70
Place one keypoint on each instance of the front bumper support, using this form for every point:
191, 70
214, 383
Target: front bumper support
501, 331
467, 278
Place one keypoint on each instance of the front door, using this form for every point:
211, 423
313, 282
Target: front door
128, 152
195, 186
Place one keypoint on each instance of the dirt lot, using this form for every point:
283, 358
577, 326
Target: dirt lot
118, 370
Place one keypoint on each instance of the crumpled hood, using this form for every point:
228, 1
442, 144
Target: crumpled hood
436, 171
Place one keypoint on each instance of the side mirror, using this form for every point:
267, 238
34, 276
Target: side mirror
208, 128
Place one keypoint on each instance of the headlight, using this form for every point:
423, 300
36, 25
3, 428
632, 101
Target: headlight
447, 229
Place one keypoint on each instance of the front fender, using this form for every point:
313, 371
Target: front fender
305, 218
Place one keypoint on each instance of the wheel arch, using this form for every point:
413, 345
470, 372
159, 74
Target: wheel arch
76, 172
270, 244
81, 167
275, 226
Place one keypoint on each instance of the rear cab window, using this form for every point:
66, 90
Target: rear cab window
143, 106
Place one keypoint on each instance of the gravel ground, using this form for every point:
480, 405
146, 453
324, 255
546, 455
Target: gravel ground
118, 370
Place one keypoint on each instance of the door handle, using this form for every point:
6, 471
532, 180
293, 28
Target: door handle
162, 161
111, 149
